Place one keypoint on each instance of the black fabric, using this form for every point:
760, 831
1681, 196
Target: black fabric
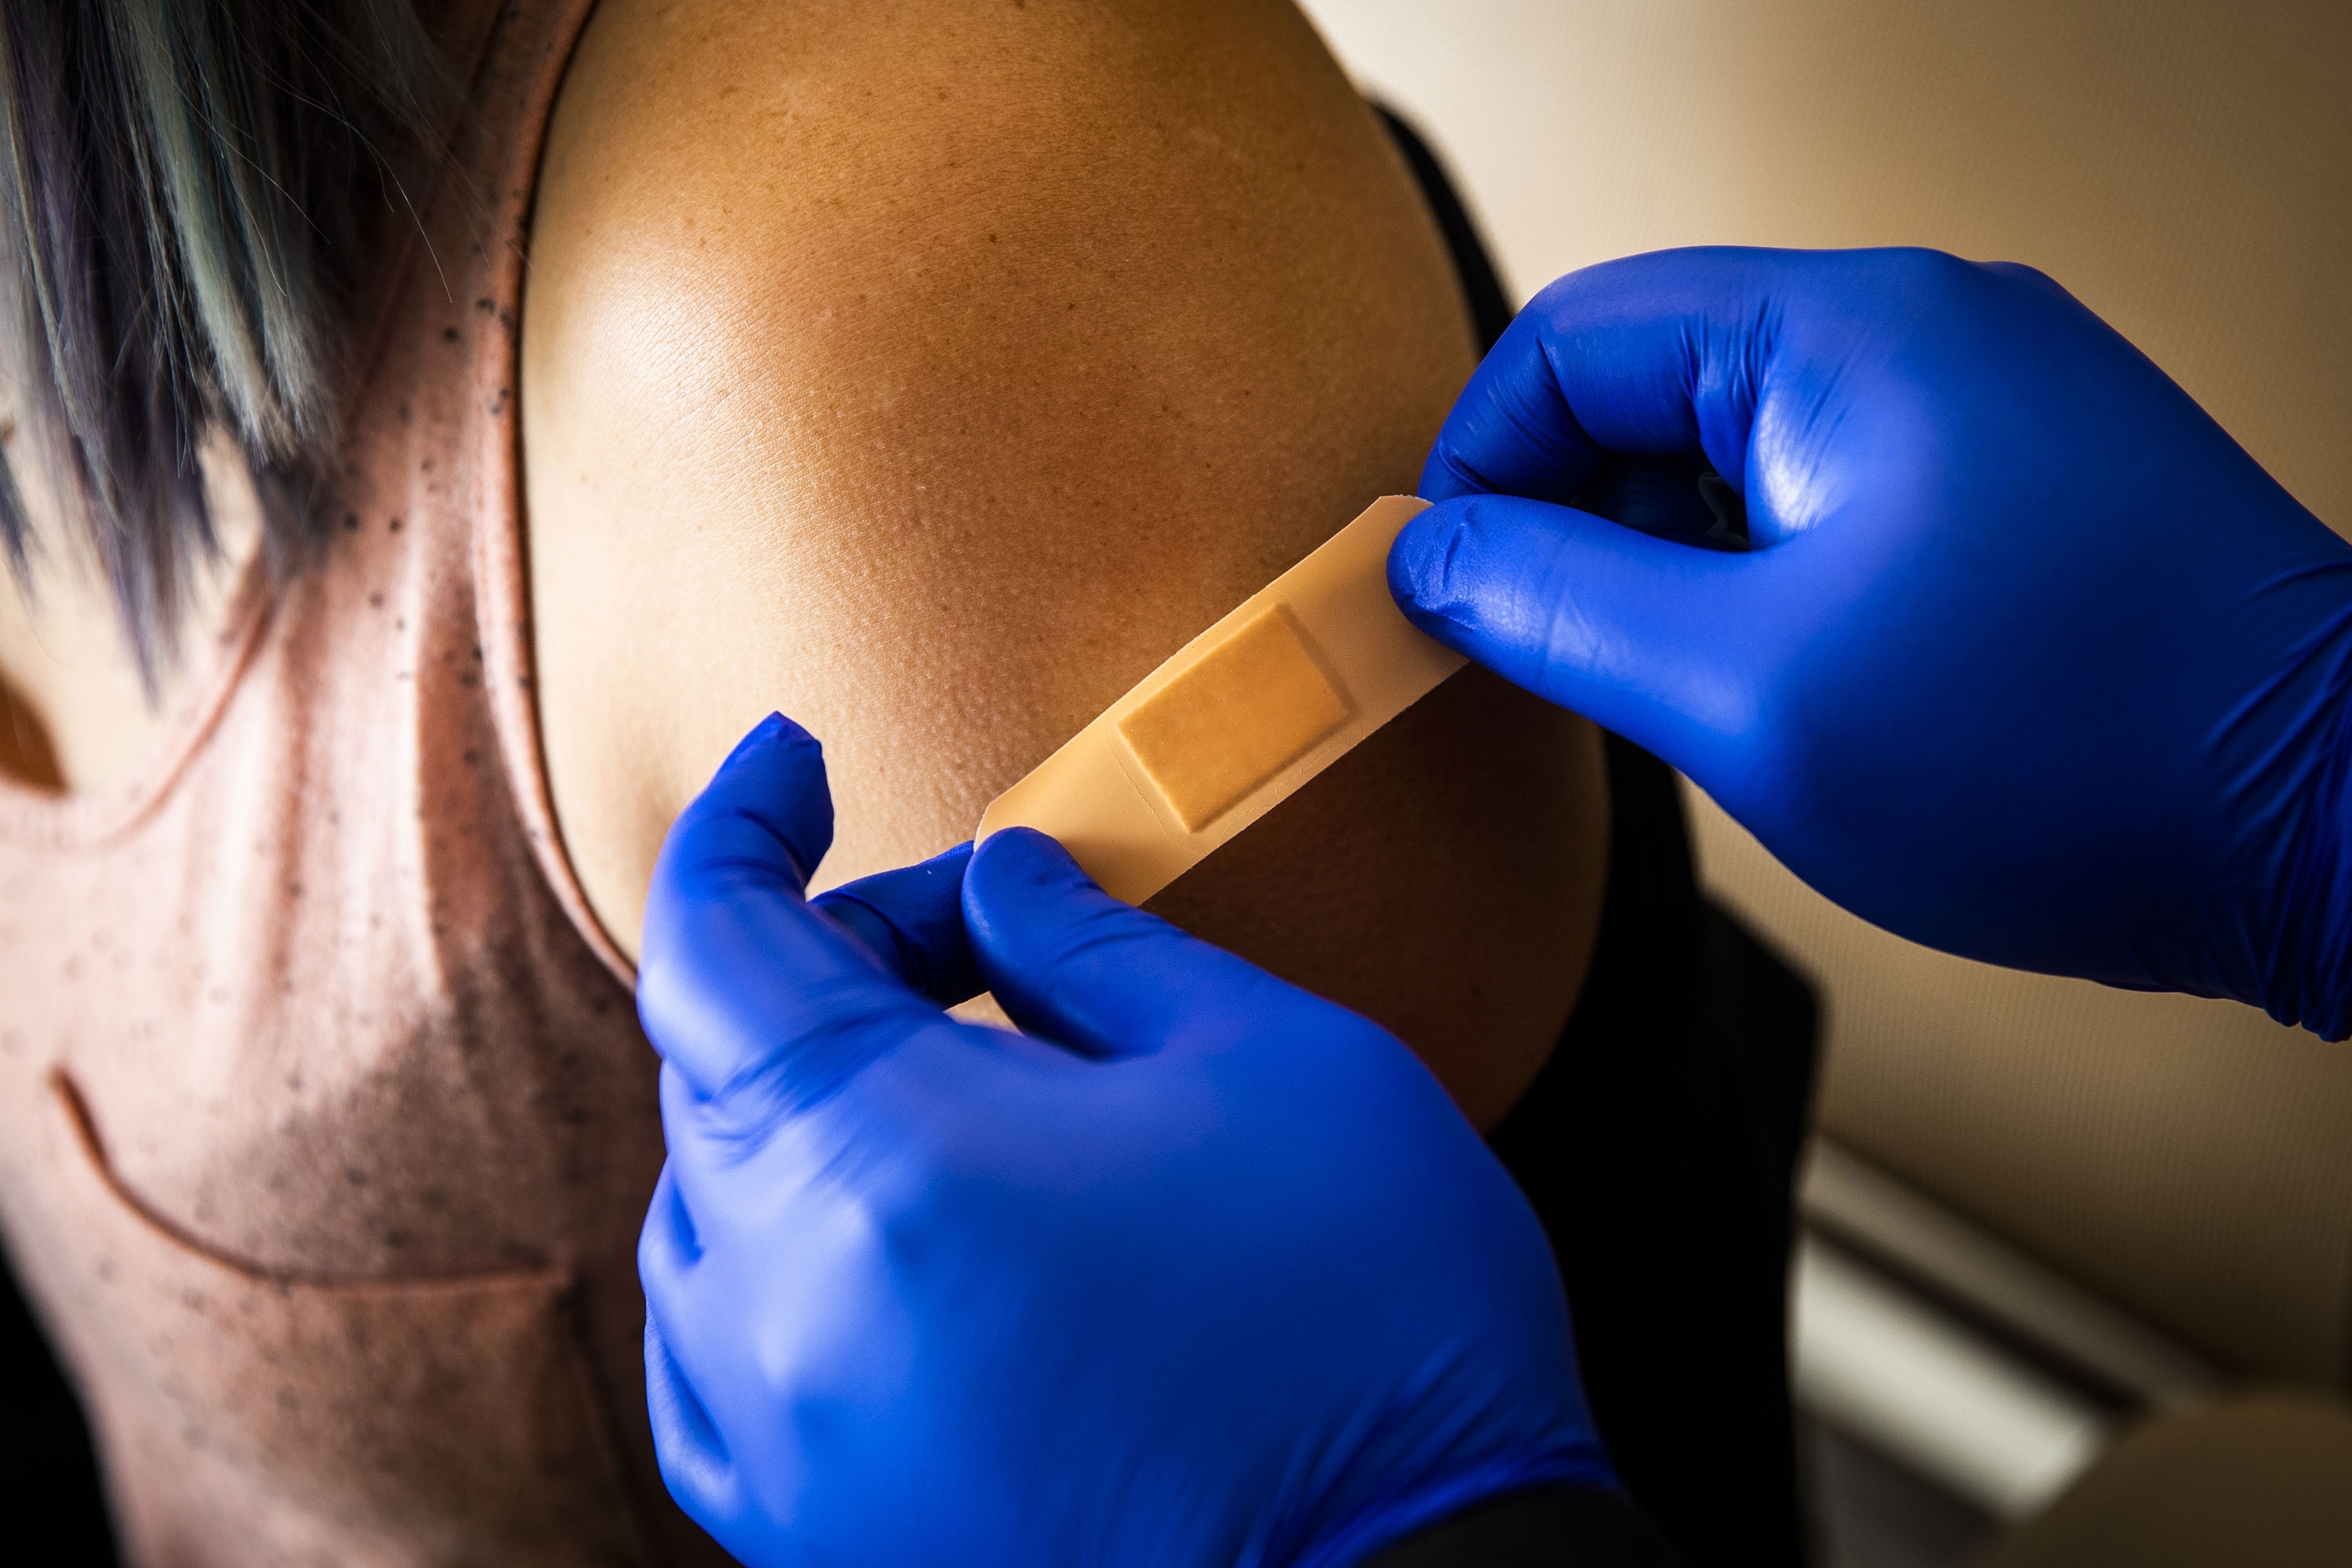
1482, 288
48, 1481
1658, 1145
1552, 1527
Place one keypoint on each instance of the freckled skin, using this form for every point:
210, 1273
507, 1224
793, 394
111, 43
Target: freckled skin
930, 372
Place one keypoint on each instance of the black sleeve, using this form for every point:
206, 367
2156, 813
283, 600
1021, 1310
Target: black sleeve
1554, 1527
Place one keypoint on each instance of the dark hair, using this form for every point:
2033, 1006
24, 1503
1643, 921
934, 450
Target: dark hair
188, 186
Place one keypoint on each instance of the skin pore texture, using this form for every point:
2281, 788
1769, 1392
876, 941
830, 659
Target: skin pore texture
930, 372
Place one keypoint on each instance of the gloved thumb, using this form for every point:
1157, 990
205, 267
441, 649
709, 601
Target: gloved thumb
1071, 963
1632, 631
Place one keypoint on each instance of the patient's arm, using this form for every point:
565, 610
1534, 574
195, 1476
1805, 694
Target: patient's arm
930, 372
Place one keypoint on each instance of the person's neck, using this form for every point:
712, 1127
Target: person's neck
74, 712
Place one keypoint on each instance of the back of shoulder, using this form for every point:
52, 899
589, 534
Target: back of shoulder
729, 181
873, 354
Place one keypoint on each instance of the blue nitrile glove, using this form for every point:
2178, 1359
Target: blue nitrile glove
2028, 660
1207, 1272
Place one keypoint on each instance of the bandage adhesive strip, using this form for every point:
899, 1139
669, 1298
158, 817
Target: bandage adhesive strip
1239, 719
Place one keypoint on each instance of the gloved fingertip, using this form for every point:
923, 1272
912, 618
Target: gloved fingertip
1446, 474
1425, 564
1070, 964
774, 778
1014, 869
1025, 855
768, 735
765, 731
911, 920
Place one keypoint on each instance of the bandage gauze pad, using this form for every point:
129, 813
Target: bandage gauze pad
1240, 718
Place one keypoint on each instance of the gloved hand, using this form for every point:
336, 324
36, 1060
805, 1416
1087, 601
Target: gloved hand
1202, 1271
2027, 660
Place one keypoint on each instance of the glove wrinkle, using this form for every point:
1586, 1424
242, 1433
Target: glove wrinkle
2025, 659
1249, 1288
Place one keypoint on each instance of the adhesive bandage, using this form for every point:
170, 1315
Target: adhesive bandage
1241, 717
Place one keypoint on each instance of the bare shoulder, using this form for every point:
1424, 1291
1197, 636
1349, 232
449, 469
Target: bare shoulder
930, 372
878, 359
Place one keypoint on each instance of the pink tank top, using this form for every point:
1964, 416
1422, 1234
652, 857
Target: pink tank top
325, 1123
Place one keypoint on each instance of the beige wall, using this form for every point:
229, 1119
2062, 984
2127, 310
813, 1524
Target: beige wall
2183, 168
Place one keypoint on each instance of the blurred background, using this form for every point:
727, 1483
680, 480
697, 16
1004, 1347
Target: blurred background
2075, 1284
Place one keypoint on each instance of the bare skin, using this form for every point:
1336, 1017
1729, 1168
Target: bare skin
73, 714
929, 374
996, 350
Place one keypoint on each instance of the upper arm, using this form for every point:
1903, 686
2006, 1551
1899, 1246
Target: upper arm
930, 372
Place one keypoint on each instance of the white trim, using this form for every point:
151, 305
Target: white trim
1885, 1367
1855, 1204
